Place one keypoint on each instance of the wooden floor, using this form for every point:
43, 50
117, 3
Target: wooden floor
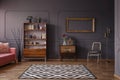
103, 70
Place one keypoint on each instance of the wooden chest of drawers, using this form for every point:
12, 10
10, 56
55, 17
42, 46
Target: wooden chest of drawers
67, 49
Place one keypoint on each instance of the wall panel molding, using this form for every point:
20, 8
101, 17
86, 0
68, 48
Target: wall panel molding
14, 20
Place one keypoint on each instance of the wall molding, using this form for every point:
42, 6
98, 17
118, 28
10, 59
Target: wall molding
117, 76
44, 14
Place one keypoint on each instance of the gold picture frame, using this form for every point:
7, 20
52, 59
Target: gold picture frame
80, 24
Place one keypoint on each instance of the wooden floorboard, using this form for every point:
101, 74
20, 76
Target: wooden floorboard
103, 70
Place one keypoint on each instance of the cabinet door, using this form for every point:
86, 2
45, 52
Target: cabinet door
34, 52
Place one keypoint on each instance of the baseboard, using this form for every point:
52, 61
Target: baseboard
53, 59
116, 76
107, 60
66, 59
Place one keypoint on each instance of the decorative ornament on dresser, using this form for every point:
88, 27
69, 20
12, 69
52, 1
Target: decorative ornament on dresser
29, 18
64, 39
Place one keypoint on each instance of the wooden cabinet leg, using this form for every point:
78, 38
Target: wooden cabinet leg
61, 58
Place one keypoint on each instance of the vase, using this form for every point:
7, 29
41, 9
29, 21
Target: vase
64, 42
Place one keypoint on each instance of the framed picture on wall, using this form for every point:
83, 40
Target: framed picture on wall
80, 24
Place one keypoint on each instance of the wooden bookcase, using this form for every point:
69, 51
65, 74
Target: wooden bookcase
35, 40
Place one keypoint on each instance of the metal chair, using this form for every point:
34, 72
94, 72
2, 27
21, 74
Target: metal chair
95, 51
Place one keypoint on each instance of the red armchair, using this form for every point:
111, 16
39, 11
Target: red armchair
8, 57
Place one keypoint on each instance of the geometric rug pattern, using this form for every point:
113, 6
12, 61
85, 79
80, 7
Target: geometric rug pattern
57, 71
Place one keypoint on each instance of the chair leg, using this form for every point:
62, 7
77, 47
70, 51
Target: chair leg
98, 59
87, 57
16, 61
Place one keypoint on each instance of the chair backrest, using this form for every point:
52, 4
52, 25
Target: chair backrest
96, 46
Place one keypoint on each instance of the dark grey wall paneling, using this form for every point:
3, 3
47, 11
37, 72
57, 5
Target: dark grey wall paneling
14, 13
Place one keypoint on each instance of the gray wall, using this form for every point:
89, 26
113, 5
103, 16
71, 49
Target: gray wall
13, 14
117, 37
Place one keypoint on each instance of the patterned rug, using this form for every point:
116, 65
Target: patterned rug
64, 71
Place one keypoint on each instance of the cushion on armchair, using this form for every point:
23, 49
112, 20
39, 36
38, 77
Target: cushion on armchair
4, 47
